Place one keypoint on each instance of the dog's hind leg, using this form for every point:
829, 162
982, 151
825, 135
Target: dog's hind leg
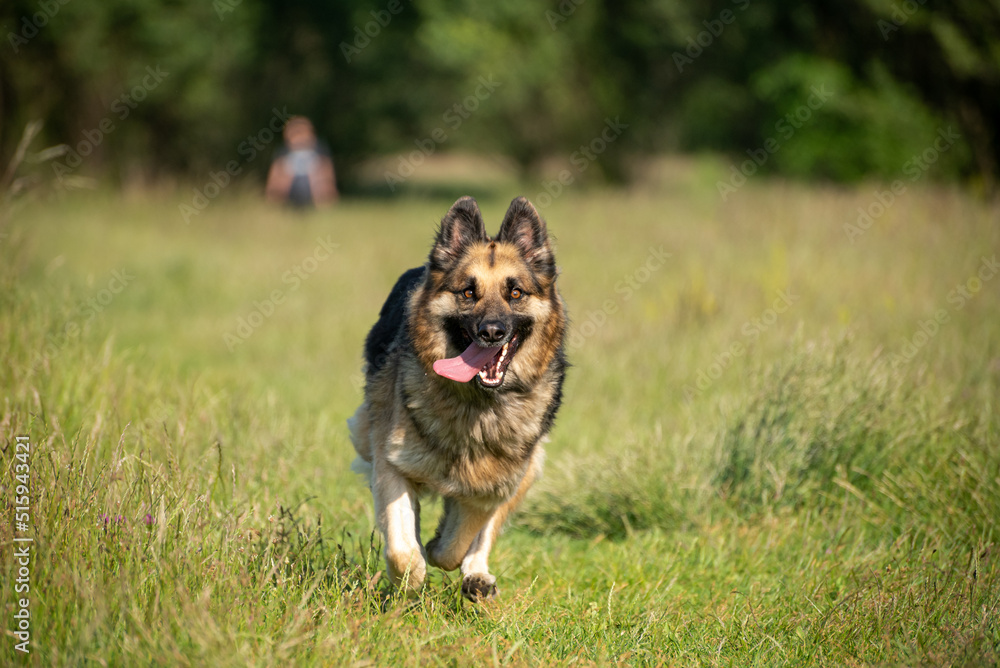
477, 583
398, 513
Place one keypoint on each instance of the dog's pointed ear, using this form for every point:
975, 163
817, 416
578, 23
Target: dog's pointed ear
462, 226
525, 229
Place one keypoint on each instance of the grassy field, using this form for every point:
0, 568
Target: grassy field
780, 443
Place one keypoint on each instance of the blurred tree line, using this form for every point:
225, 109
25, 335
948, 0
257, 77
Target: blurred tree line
814, 89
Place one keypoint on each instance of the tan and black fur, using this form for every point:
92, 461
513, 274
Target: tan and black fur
478, 447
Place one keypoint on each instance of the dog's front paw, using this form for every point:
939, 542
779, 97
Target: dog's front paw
439, 559
407, 568
479, 587
432, 552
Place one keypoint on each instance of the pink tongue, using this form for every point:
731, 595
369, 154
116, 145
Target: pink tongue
465, 367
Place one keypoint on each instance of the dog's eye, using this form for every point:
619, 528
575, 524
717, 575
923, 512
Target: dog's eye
469, 294
515, 293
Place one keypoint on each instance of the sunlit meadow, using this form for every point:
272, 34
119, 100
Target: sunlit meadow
780, 442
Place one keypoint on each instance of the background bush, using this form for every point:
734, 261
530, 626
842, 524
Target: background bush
900, 71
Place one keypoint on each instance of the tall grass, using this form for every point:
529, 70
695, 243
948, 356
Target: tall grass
817, 502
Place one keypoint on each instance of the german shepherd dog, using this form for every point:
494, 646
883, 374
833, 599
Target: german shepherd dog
464, 375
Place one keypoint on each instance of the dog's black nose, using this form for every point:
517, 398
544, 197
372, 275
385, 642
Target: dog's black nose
492, 331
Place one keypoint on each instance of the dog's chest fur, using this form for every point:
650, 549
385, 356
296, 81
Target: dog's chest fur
459, 443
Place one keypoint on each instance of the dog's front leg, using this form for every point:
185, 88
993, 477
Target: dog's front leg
461, 522
477, 582
398, 513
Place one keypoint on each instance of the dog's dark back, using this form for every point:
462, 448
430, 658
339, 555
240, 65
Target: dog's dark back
391, 318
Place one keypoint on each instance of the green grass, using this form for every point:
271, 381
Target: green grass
817, 499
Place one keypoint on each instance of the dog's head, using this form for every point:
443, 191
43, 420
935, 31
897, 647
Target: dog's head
494, 299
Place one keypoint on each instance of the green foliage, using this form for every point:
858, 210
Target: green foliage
85, 64
380, 77
871, 127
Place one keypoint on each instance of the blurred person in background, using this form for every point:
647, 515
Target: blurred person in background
302, 172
